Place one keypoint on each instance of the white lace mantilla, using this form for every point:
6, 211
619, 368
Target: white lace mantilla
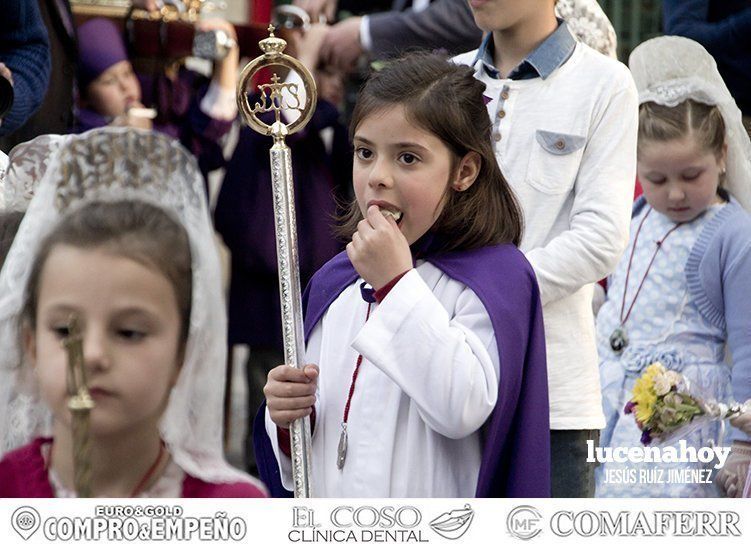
52, 175
589, 24
670, 70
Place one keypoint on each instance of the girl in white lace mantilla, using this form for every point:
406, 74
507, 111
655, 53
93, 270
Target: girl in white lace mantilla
679, 296
118, 234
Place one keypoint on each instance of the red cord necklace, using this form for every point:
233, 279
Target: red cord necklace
341, 451
149, 473
619, 338
140, 486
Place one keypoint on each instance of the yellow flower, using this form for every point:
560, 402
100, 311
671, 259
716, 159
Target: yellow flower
644, 394
654, 369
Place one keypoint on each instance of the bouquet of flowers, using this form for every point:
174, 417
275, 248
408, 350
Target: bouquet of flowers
664, 404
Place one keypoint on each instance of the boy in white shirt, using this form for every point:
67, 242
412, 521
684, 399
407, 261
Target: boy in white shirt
565, 124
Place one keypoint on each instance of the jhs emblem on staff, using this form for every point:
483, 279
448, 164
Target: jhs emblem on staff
273, 98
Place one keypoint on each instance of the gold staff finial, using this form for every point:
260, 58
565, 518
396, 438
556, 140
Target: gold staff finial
272, 46
276, 96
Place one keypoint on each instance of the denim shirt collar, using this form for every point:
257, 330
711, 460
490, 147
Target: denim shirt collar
543, 61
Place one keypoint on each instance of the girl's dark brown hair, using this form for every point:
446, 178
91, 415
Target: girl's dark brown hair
132, 229
446, 100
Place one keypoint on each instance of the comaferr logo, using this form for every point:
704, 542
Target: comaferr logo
675, 523
526, 522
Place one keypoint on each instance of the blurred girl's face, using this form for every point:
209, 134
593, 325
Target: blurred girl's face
679, 177
114, 91
131, 337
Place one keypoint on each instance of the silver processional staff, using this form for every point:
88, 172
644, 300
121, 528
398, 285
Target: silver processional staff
277, 97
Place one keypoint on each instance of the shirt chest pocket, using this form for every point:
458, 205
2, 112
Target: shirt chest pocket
554, 161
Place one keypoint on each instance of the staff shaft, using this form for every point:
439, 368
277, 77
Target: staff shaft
290, 296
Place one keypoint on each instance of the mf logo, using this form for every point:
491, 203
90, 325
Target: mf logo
524, 522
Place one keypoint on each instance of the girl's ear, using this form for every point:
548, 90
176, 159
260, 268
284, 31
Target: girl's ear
467, 171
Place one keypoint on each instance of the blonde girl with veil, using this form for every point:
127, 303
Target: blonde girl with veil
118, 234
680, 294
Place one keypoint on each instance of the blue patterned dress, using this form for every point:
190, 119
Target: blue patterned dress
664, 326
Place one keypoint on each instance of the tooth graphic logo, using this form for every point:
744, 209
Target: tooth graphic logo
25, 520
453, 524
524, 522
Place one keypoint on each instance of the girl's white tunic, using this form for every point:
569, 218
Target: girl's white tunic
427, 383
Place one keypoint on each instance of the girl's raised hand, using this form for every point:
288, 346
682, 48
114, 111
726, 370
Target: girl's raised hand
378, 250
290, 393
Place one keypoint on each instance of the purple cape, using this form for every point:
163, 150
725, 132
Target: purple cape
516, 437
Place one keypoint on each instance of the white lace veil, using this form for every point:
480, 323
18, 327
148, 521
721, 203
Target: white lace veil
669, 70
589, 24
112, 164
28, 162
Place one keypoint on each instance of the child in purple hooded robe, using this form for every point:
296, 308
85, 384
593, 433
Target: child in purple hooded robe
188, 109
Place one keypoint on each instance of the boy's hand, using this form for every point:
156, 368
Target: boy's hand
290, 393
342, 46
378, 250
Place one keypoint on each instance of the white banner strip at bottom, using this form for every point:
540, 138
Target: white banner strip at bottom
433, 521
